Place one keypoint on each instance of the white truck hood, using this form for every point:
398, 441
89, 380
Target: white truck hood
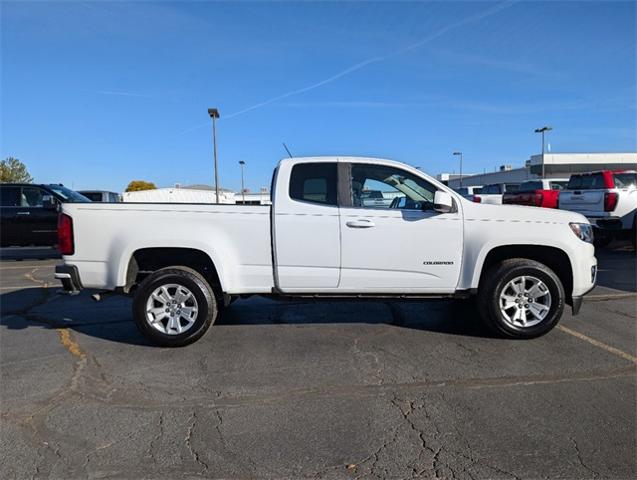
520, 213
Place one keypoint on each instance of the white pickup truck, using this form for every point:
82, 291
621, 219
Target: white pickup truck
607, 198
319, 239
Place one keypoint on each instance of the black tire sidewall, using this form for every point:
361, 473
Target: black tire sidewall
202, 292
555, 312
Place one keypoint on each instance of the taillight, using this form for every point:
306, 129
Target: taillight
65, 235
476, 199
538, 197
610, 201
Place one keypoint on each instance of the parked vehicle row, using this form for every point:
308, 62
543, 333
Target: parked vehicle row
320, 239
536, 193
492, 194
607, 198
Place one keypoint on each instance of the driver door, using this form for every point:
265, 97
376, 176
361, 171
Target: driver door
399, 244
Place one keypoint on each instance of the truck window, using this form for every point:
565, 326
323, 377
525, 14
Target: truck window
625, 180
10, 196
31, 197
558, 185
530, 186
93, 196
314, 182
377, 186
492, 189
586, 182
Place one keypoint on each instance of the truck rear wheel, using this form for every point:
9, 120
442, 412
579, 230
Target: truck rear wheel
521, 298
174, 306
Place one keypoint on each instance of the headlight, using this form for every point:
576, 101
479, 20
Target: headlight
583, 231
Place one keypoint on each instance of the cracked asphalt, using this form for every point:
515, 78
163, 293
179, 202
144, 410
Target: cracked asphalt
296, 390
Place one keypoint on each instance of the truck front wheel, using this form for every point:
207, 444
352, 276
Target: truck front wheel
521, 298
174, 306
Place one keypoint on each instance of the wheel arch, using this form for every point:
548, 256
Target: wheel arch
553, 257
143, 261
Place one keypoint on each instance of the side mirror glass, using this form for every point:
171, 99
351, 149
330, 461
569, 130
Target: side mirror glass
443, 202
48, 202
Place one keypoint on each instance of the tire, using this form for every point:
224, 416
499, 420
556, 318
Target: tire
183, 307
633, 234
500, 280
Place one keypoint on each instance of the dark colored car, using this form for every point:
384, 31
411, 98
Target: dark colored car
28, 213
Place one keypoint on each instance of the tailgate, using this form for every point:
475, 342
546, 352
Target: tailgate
582, 201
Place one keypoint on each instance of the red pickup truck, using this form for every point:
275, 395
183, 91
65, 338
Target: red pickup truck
537, 193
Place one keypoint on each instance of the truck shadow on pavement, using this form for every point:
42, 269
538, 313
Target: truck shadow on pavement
111, 319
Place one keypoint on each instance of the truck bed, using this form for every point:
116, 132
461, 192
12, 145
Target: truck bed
106, 236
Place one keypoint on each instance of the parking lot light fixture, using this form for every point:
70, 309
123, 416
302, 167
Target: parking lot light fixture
460, 154
214, 114
243, 190
543, 130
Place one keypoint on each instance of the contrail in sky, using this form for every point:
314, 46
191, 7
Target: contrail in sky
372, 60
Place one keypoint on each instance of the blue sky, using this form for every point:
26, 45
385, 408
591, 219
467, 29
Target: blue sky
95, 94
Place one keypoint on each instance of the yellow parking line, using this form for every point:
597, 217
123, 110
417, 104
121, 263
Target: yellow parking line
67, 340
597, 343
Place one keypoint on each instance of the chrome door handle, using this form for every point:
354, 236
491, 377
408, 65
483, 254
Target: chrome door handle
360, 223
23, 213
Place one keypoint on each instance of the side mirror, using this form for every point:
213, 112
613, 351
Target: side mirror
443, 202
49, 203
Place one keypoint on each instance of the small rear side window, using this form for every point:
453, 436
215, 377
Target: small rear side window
10, 196
314, 183
625, 180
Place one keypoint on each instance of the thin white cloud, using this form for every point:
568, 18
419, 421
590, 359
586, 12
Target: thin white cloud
121, 94
353, 68
496, 108
380, 58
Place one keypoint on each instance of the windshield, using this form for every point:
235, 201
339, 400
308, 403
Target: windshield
68, 195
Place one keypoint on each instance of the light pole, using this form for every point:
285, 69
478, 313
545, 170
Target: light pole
460, 153
243, 190
542, 130
214, 114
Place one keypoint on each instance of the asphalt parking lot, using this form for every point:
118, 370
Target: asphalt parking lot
314, 390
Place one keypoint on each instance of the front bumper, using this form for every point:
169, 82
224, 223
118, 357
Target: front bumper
70, 278
579, 299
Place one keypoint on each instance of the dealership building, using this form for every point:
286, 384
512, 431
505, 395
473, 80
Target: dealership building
554, 165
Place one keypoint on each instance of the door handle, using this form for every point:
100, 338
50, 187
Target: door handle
23, 213
361, 223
